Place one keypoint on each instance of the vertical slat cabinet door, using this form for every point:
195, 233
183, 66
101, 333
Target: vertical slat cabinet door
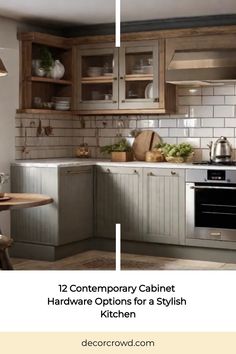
163, 206
39, 224
75, 203
118, 200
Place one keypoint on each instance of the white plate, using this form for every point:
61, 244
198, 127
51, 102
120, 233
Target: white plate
149, 91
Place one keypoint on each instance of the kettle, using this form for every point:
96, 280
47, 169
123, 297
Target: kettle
220, 151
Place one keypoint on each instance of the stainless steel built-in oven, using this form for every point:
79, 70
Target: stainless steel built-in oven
211, 204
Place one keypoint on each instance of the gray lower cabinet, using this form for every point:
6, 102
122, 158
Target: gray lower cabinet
118, 200
42, 230
164, 205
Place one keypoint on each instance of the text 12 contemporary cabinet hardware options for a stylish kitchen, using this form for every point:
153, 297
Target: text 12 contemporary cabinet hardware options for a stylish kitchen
163, 206
118, 199
59, 229
124, 80
36, 91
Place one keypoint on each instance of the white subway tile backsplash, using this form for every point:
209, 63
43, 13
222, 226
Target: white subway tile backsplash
153, 123
189, 100
224, 90
212, 122
170, 140
143, 123
207, 91
189, 123
230, 122
215, 100
178, 132
108, 132
224, 111
200, 132
223, 132
230, 99
163, 132
133, 124
184, 110
90, 141
189, 91
167, 123
195, 142
87, 132
201, 111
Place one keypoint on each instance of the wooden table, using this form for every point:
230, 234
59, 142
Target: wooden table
18, 201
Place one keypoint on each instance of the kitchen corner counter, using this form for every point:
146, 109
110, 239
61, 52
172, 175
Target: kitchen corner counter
70, 162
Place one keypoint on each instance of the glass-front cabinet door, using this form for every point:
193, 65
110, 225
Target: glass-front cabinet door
98, 78
139, 75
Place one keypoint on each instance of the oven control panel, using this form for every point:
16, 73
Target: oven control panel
216, 175
211, 175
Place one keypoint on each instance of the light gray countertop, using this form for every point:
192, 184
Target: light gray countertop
70, 162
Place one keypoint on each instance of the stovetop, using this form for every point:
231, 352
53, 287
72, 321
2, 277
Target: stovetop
212, 163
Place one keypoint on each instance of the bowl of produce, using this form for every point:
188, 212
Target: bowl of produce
176, 153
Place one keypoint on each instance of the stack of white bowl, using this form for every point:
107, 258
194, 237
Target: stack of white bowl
94, 71
62, 103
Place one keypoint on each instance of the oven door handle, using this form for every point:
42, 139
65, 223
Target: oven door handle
212, 187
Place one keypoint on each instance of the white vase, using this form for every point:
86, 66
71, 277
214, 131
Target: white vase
36, 68
58, 70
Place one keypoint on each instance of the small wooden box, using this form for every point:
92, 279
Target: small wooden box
121, 156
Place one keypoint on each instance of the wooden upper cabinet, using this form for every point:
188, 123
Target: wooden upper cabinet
98, 79
130, 79
38, 92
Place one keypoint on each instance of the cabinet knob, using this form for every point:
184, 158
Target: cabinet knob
114, 78
108, 170
122, 77
114, 101
150, 174
123, 101
173, 173
156, 100
136, 172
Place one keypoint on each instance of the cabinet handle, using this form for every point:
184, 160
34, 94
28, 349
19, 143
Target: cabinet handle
122, 77
114, 101
150, 174
156, 100
123, 101
173, 173
69, 172
114, 78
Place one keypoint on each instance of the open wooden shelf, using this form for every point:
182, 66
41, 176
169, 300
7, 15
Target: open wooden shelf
44, 111
49, 80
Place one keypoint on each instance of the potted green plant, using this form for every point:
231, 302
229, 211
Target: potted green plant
176, 152
46, 60
121, 151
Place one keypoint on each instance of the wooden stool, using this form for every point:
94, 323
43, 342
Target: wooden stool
5, 242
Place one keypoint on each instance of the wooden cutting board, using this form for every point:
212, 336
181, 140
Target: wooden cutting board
144, 142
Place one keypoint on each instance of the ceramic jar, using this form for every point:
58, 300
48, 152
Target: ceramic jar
36, 68
57, 71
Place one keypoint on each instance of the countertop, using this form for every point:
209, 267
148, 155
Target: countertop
67, 162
